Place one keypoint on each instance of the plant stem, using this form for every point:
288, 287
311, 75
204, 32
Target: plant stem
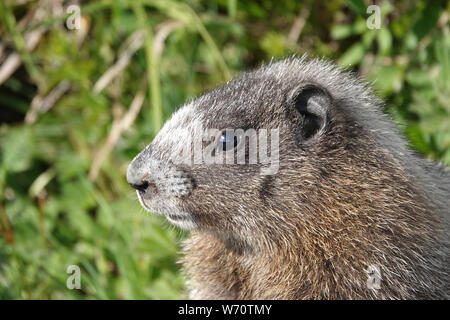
152, 60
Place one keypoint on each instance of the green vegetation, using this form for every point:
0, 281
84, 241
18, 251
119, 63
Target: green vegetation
80, 104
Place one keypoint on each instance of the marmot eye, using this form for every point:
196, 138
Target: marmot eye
228, 141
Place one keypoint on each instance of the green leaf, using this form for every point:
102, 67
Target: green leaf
414, 133
388, 79
273, 44
384, 41
353, 55
427, 21
418, 78
442, 53
17, 149
341, 31
357, 6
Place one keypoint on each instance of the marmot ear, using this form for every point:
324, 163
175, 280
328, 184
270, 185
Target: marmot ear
313, 102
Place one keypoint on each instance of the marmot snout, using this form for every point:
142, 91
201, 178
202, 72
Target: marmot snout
348, 212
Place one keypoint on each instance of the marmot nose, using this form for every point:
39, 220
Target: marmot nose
140, 187
146, 188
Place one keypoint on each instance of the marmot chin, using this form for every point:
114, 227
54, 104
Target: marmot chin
351, 212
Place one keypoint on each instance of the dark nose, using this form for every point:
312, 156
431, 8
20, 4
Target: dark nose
140, 187
146, 188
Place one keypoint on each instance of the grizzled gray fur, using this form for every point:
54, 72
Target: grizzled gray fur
348, 196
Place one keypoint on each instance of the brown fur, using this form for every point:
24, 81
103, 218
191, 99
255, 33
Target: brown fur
376, 218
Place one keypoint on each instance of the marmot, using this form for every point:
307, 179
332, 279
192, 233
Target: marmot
348, 199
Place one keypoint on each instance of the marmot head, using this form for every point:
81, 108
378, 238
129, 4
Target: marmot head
330, 167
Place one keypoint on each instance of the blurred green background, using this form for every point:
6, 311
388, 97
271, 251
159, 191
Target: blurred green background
76, 105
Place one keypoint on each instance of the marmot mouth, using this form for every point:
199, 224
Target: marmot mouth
184, 221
